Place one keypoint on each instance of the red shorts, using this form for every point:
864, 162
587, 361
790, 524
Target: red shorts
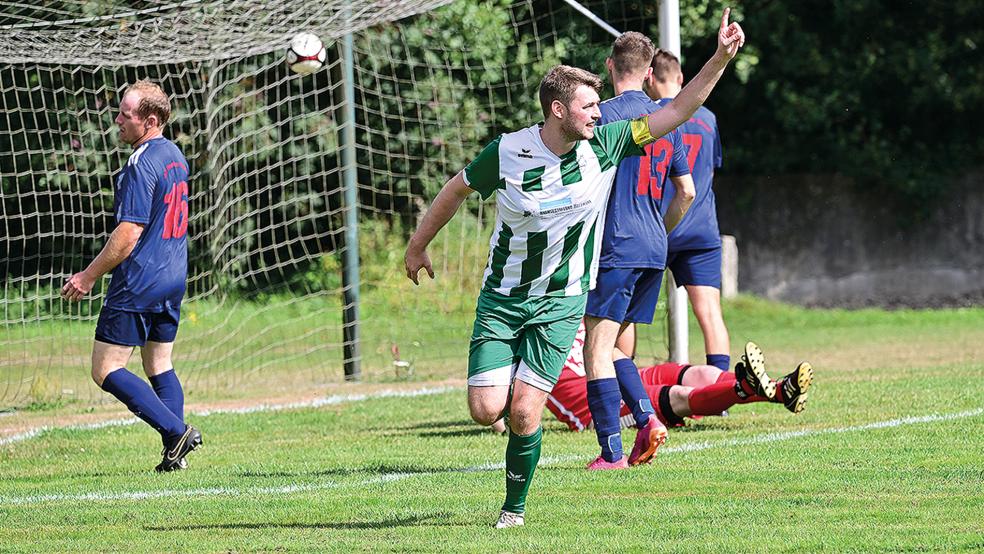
662, 374
568, 400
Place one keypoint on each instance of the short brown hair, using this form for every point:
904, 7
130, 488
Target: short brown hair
153, 101
632, 53
665, 66
560, 83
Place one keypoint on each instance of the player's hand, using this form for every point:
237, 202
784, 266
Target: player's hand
415, 260
77, 286
731, 37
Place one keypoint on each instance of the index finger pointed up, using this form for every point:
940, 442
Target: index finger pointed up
724, 18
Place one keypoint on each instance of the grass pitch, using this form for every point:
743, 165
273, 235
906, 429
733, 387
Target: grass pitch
889, 455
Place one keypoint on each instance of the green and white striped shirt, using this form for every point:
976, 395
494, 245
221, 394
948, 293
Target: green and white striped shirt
550, 209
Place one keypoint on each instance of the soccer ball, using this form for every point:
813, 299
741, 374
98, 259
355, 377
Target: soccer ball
306, 54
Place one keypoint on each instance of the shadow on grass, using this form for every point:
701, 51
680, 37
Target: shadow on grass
433, 425
439, 518
381, 469
473, 431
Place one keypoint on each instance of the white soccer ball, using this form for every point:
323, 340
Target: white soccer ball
306, 53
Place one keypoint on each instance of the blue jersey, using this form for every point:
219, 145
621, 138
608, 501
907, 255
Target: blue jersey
152, 190
634, 233
699, 227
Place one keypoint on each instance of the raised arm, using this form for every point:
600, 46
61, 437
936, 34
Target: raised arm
730, 39
440, 212
120, 244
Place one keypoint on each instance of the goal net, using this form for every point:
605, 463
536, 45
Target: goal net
434, 80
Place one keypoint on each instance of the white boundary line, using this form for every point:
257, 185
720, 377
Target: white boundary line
398, 476
316, 403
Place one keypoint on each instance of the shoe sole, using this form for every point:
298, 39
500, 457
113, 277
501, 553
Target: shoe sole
804, 379
756, 365
657, 437
804, 376
800, 403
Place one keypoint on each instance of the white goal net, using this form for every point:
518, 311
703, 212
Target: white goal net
433, 81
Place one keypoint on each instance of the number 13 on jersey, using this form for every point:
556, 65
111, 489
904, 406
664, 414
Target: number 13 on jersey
651, 179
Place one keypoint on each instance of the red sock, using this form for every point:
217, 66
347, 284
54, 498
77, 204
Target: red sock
726, 376
716, 398
713, 399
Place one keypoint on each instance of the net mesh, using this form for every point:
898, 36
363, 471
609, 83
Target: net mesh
263, 311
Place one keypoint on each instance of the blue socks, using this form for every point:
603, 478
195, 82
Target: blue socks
604, 401
144, 403
720, 361
168, 389
633, 393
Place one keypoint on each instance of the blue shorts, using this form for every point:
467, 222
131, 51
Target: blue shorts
124, 328
625, 295
696, 267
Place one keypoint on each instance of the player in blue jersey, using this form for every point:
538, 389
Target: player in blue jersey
633, 256
148, 255
694, 247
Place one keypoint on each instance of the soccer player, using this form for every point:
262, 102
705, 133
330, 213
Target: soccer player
678, 390
694, 246
633, 255
552, 181
148, 255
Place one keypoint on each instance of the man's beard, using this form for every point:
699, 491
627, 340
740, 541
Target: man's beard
573, 133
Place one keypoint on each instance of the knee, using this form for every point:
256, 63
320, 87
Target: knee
703, 306
484, 414
523, 421
99, 375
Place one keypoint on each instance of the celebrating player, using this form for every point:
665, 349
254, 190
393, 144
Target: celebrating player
148, 255
552, 181
694, 246
633, 255
678, 391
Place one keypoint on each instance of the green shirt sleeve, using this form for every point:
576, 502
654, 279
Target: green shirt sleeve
482, 174
620, 139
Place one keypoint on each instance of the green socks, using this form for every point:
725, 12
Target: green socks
522, 454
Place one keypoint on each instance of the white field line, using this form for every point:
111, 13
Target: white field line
398, 476
316, 403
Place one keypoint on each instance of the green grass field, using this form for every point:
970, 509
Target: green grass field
888, 456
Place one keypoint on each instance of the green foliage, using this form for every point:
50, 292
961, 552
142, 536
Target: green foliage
472, 76
888, 93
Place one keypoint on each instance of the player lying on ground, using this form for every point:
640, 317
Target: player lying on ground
677, 391
550, 181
